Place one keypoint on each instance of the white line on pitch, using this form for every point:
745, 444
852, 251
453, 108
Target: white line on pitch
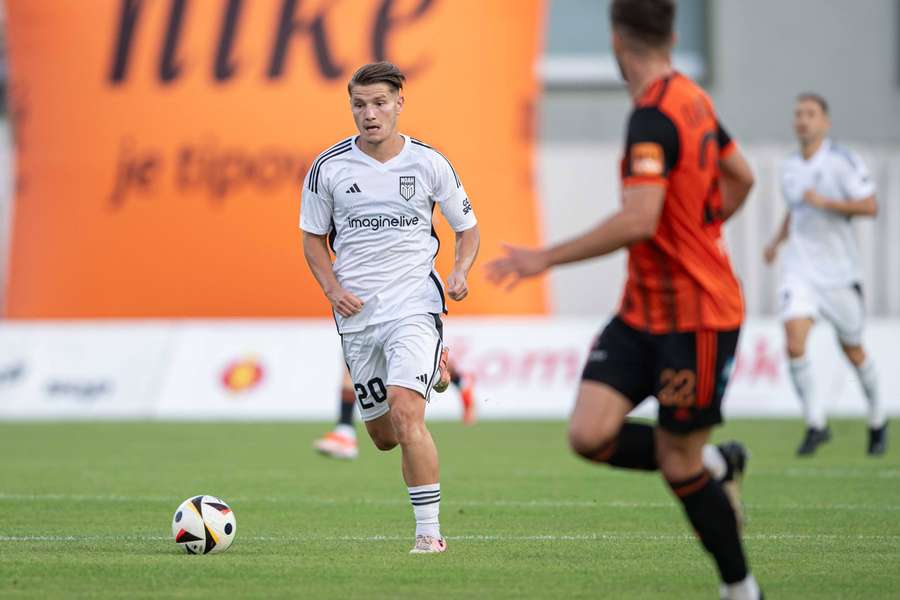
600, 537
831, 473
12, 497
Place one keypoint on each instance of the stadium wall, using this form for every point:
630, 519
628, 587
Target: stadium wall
578, 184
762, 54
291, 369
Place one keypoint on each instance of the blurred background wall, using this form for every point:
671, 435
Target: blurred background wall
753, 57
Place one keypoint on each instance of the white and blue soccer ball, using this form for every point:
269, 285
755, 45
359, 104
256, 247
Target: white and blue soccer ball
204, 525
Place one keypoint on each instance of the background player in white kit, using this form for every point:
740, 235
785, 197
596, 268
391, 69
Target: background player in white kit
824, 186
372, 197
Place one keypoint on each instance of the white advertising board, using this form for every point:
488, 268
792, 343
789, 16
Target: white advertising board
253, 370
83, 370
523, 368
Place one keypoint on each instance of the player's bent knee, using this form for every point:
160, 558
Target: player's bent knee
592, 443
678, 469
596, 420
680, 456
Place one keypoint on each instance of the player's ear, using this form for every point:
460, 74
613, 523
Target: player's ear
400, 100
616, 41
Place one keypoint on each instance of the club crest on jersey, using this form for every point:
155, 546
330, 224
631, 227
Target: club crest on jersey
407, 186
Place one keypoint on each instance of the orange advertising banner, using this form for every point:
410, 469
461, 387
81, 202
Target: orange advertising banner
161, 144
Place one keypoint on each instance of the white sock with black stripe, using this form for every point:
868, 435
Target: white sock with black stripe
426, 503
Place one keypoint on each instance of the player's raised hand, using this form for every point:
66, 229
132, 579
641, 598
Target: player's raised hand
519, 263
457, 288
770, 253
344, 303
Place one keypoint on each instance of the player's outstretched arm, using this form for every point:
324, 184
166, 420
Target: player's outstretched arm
315, 249
771, 249
467, 244
635, 222
864, 207
736, 182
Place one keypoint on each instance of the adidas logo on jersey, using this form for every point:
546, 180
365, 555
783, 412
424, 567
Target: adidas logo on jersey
423, 378
354, 189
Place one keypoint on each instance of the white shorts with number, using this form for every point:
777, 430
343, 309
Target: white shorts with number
404, 353
843, 307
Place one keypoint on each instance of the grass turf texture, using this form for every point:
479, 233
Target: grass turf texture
85, 510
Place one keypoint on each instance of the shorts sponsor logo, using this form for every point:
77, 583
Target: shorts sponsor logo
80, 390
647, 159
407, 187
242, 375
467, 206
376, 222
597, 356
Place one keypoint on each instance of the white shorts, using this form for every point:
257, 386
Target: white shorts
405, 353
842, 307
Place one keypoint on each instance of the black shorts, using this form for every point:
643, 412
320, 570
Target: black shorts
686, 372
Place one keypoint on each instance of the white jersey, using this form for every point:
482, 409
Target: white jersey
821, 245
378, 217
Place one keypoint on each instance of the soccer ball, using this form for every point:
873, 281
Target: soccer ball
204, 525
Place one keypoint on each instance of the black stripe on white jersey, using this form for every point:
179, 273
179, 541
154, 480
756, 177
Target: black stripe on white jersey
437, 282
437, 365
332, 236
424, 145
315, 165
440, 288
322, 155
341, 148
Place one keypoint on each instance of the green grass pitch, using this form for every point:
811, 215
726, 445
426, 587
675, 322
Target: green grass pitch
85, 511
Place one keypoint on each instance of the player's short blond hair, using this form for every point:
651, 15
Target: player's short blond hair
378, 72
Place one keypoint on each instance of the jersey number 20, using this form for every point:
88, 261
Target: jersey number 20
376, 390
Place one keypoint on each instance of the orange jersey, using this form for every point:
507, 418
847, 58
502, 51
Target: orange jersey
680, 279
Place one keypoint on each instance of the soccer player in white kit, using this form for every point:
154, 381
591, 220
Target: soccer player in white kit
371, 197
824, 186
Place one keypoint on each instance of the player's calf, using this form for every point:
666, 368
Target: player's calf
707, 507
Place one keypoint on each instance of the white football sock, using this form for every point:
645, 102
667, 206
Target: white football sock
348, 431
714, 462
802, 377
747, 589
426, 501
868, 378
